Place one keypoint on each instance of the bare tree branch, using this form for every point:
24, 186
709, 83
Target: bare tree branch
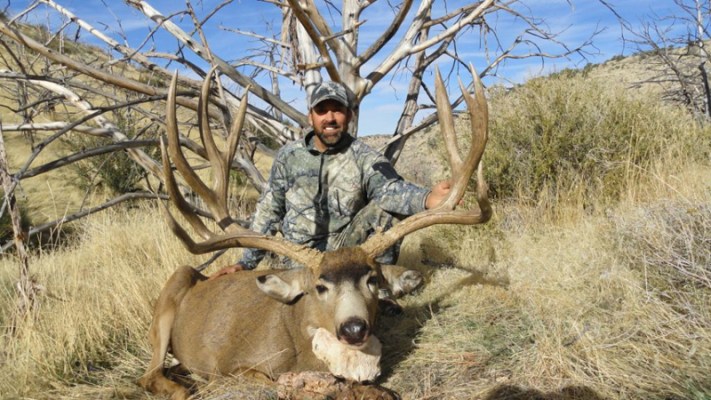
677, 57
387, 35
73, 217
53, 86
224, 67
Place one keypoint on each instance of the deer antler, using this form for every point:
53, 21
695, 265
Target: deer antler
216, 197
462, 171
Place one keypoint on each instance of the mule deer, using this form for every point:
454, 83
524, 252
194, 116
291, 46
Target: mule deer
263, 322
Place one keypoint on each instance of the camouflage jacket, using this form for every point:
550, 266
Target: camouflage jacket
311, 196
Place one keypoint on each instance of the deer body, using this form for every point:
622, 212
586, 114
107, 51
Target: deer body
261, 322
227, 325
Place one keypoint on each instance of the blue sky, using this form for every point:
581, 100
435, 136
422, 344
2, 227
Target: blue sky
380, 110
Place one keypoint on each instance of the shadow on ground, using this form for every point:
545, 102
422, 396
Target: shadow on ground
507, 392
398, 333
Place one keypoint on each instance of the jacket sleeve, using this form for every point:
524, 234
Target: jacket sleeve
389, 190
270, 210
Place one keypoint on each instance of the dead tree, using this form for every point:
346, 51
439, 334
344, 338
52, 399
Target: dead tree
26, 287
76, 89
674, 47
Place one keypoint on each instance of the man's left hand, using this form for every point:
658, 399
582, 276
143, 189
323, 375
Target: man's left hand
227, 270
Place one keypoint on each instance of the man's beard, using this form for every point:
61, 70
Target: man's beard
331, 139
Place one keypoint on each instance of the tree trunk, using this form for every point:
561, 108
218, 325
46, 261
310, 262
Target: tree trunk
25, 286
703, 57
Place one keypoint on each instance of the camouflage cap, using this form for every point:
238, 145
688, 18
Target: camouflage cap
329, 91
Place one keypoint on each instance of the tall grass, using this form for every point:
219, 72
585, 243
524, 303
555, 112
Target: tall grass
563, 310
607, 303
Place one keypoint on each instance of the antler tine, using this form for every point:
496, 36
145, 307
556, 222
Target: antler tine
462, 171
214, 155
219, 160
236, 130
182, 205
446, 123
171, 185
236, 236
479, 118
216, 200
181, 164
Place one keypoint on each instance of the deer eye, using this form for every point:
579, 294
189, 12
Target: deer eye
321, 289
373, 281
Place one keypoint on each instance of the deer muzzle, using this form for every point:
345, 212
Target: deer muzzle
354, 331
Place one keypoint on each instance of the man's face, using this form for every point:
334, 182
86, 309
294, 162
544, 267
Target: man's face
329, 119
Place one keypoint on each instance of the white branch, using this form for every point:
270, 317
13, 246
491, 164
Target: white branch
406, 46
223, 65
55, 126
138, 155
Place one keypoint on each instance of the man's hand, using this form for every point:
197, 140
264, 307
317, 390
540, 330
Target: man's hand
439, 192
227, 270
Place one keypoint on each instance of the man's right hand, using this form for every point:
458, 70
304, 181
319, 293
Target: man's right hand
227, 270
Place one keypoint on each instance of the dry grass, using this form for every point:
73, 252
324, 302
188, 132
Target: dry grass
564, 310
90, 324
47, 196
524, 307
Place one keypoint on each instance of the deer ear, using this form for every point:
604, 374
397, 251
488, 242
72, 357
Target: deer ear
400, 280
276, 287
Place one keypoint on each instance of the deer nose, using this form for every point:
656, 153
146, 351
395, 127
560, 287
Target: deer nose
353, 331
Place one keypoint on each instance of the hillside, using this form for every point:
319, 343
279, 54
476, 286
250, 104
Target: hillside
640, 76
422, 161
643, 73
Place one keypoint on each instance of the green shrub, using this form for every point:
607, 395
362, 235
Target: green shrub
559, 137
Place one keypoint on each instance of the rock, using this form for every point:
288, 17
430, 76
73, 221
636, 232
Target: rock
360, 364
325, 386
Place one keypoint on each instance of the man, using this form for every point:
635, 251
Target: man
330, 190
